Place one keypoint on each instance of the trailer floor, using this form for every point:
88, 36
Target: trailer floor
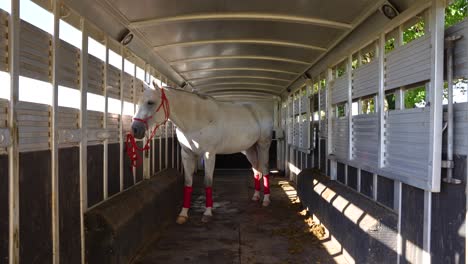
242, 231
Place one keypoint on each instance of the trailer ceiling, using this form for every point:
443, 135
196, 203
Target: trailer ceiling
257, 46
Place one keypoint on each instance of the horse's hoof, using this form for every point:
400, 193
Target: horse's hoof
266, 203
256, 198
206, 218
181, 219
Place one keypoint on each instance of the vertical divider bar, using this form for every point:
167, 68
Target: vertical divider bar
374, 186
173, 145
105, 170
84, 137
380, 49
319, 101
329, 117
436, 21
13, 152
358, 185
54, 136
134, 101
349, 65
309, 122
121, 131
398, 190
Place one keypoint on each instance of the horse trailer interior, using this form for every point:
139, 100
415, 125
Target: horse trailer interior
115, 114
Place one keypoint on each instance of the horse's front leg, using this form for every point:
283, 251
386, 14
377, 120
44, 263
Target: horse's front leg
209, 170
189, 163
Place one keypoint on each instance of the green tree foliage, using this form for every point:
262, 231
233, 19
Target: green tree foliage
456, 12
415, 96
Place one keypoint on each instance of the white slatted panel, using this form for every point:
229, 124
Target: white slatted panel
304, 134
296, 106
408, 64
3, 113
128, 87
127, 123
340, 137
95, 120
3, 40
323, 107
290, 131
95, 75
366, 80
33, 122
304, 104
290, 107
295, 133
461, 128
407, 142
461, 49
365, 139
339, 89
113, 82
68, 65
68, 119
113, 127
35, 46
139, 88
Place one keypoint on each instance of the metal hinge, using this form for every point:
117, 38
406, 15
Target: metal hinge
448, 164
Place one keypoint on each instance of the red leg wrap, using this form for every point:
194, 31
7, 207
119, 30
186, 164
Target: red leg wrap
266, 184
257, 182
209, 196
187, 196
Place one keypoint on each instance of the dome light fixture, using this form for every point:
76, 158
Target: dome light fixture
389, 10
128, 37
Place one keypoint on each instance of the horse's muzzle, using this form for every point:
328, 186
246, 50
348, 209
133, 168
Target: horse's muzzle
138, 129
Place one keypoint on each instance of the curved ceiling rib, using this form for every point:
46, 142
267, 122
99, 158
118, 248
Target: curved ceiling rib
200, 87
239, 58
241, 16
239, 69
240, 90
242, 41
235, 77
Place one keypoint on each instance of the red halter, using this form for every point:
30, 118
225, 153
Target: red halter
132, 147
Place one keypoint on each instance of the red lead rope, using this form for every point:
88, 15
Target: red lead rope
132, 147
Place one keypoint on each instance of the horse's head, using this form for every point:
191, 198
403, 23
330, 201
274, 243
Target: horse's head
149, 111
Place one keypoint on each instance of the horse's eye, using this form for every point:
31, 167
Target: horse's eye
150, 103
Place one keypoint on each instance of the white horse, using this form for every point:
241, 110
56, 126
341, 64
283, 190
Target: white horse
208, 127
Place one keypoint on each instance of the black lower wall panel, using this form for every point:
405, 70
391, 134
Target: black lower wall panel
127, 168
385, 191
169, 152
340, 172
163, 153
323, 155
412, 218
377, 245
35, 207
448, 218
156, 156
95, 172
352, 177
316, 156
367, 183
113, 179
69, 204
4, 227
272, 155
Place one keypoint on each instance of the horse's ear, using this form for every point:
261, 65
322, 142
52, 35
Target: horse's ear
156, 85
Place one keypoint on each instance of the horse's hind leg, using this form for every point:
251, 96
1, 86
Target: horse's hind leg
252, 157
210, 159
189, 162
263, 149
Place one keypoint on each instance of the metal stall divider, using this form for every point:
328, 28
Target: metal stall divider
13, 152
83, 128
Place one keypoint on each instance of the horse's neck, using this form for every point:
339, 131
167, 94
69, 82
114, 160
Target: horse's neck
188, 111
